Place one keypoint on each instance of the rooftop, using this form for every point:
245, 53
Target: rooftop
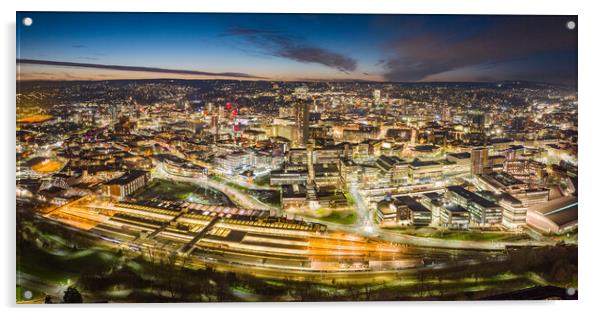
420, 163
471, 196
433, 196
294, 191
462, 155
127, 177
411, 203
425, 148
502, 178
455, 208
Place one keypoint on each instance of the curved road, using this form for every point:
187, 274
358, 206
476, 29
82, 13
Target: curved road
241, 199
364, 225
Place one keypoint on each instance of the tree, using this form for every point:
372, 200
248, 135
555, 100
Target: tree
563, 272
171, 274
72, 295
422, 283
367, 292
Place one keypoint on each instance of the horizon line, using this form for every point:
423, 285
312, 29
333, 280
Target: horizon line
305, 80
135, 68
235, 76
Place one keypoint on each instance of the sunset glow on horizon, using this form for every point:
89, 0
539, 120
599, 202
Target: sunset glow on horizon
290, 47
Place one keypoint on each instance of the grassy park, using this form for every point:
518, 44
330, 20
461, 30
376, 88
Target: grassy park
341, 218
181, 191
262, 181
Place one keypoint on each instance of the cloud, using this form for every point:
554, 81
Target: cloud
319, 56
87, 58
78, 46
293, 48
137, 68
510, 38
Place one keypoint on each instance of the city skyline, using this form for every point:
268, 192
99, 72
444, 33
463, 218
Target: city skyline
286, 157
297, 47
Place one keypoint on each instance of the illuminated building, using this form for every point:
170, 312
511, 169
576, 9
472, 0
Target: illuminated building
215, 125
371, 176
234, 161
518, 124
462, 158
483, 212
326, 175
556, 216
126, 184
514, 213
297, 156
376, 95
514, 152
426, 152
302, 115
501, 182
413, 137
393, 168
293, 196
499, 146
496, 163
462, 161
255, 135
434, 202
305, 122
331, 154
181, 167
477, 119
361, 152
525, 169
388, 213
425, 171
331, 198
478, 161
350, 171
282, 177
286, 112
446, 114
283, 128
421, 216
454, 216
399, 134
403, 210
533, 196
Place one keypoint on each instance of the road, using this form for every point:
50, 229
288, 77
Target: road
241, 199
373, 231
364, 221
364, 225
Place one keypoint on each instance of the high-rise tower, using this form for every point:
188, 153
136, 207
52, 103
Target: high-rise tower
479, 161
302, 115
376, 97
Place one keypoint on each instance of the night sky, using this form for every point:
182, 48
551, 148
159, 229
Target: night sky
399, 48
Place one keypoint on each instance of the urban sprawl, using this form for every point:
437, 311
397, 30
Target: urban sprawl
314, 181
